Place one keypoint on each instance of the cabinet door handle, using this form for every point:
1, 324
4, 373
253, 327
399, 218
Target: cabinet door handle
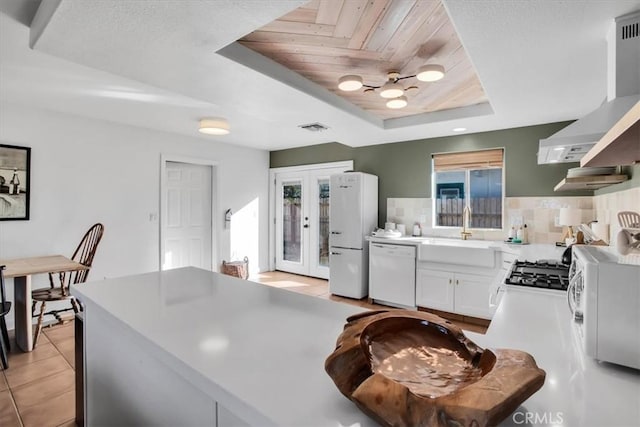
457, 283
450, 281
336, 253
336, 232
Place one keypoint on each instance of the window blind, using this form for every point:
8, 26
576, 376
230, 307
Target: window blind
468, 160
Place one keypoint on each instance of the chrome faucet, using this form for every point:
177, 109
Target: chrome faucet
466, 218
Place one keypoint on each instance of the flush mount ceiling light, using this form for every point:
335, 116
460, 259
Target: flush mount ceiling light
392, 89
214, 126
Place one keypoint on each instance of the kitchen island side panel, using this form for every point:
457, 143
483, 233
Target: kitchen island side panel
128, 385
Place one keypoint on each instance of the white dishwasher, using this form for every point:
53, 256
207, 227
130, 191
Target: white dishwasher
392, 274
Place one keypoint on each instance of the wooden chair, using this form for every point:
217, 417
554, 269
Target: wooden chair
60, 283
5, 306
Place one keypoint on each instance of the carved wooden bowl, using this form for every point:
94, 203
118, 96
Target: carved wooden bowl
410, 368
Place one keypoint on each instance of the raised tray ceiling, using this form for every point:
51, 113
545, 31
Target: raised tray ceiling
326, 39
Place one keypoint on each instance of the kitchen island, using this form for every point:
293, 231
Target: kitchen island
192, 347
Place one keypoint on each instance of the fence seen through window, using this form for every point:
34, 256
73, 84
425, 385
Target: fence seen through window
472, 179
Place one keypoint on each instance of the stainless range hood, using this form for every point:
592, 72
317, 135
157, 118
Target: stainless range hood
623, 92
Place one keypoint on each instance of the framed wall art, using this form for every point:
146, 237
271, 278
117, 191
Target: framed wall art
15, 168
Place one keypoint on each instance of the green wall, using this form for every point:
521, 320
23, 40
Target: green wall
404, 168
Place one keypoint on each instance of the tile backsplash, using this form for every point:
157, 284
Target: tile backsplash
607, 206
539, 213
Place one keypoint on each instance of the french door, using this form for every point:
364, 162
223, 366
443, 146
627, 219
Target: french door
302, 221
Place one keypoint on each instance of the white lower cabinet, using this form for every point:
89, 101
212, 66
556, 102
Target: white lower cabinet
434, 289
472, 295
459, 293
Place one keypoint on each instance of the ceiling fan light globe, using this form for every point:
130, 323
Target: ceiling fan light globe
430, 73
396, 103
214, 126
391, 90
350, 83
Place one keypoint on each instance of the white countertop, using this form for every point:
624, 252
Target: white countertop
583, 391
530, 252
260, 351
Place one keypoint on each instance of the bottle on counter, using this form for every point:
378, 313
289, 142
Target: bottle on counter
525, 234
416, 230
519, 234
512, 233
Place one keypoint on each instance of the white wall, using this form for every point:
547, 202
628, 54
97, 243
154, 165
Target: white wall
85, 171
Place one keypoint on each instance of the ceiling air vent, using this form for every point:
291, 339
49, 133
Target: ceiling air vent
630, 31
314, 127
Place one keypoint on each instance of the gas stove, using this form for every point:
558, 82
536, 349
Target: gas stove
539, 274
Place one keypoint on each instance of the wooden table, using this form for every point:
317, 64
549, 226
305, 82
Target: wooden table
20, 270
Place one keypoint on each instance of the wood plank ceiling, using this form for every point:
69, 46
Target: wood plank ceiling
326, 39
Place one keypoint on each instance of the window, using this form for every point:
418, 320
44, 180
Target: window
473, 179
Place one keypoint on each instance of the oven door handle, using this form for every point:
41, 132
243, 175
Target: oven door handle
571, 291
495, 297
497, 288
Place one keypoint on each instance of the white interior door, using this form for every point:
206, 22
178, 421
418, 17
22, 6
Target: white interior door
302, 205
187, 222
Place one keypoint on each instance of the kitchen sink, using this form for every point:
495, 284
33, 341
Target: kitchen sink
478, 253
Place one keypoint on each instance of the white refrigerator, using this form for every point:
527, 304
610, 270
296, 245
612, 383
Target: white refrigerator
353, 214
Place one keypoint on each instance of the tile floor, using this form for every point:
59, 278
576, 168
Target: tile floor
38, 389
